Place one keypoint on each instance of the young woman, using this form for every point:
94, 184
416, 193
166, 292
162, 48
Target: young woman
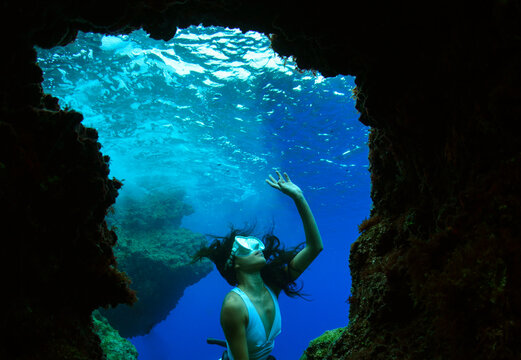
260, 270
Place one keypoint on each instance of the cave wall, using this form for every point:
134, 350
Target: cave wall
434, 270
56, 256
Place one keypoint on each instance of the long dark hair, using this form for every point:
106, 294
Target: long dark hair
274, 274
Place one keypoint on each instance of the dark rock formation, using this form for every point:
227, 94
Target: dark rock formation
157, 256
56, 256
435, 271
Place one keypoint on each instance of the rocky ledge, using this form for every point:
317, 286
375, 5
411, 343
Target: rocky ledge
156, 254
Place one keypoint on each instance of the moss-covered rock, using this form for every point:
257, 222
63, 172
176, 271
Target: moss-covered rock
320, 348
114, 346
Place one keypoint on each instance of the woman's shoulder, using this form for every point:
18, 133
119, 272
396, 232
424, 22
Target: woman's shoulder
233, 310
232, 301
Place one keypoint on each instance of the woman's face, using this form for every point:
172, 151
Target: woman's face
252, 262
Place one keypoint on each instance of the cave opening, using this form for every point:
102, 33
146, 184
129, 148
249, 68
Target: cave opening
434, 269
203, 119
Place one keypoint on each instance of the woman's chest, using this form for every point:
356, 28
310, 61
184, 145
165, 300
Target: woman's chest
265, 310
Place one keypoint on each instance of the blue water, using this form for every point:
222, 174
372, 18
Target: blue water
214, 111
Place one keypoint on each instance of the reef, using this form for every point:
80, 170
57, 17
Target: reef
156, 254
435, 270
114, 346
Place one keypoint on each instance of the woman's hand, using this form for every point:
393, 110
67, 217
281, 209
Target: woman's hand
285, 185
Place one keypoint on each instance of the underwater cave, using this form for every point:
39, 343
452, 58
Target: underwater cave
435, 270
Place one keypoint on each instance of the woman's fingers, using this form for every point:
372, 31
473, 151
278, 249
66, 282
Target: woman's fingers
282, 179
276, 183
272, 182
280, 176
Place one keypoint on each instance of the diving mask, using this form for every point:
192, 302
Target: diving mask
244, 246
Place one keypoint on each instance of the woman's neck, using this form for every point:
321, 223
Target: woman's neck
251, 283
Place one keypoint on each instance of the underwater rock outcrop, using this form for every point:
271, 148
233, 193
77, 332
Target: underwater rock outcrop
320, 348
156, 253
435, 270
158, 263
159, 209
114, 346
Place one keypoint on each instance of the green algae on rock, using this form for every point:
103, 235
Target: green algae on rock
114, 346
320, 348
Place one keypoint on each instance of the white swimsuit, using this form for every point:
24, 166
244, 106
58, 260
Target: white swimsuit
259, 347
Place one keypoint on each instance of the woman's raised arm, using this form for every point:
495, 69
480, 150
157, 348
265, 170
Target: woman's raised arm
313, 239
